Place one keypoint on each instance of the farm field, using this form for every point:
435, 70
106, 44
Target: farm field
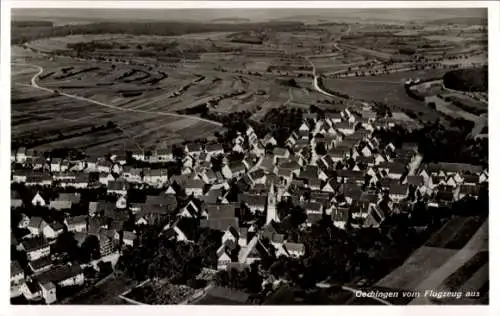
386, 88
416, 268
77, 126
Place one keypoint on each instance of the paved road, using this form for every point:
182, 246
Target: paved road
41, 70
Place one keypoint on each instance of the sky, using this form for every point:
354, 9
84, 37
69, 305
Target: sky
257, 15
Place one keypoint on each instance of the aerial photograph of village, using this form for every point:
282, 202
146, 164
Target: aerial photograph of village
249, 157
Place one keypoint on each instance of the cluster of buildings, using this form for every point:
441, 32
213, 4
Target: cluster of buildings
332, 166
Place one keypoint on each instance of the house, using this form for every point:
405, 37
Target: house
470, 179
285, 175
295, 250
21, 155
254, 202
191, 210
156, 177
340, 216
65, 201
305, 127
35, 248
375, 217
36, 225
234, 170
77, 223
269, 139
38, 200
63, 276
313, 207
230, 234
162, 155
396, 170
129, 238
55, 165
52, 230
117, 168
16, 273
105, 178
48, 292
193, 149
23, 222
81, 181
19, 176
139, 155
398, 192
15, 199
280, 153
118, 187
133, 175
31, 291
333, 118
168, 202
213, 150
338, 153
194, 187
100, 207
468, 191
38, 179
40, 265
104, 166
224, 255
345, 127
107, 240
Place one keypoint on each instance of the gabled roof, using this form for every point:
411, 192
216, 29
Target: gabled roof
252, 199
340, 214
117, 185
398, 189
295, 247
60, 273
15, 268
220, 224
194, 184
312, 206
129, 235
70, 197
41, 263
415, 180
221, 211
77, 220
214, 148
34, 244
35, 222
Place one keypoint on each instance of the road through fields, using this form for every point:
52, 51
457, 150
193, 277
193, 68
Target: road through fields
41, 70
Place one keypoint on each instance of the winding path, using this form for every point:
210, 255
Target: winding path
41, 70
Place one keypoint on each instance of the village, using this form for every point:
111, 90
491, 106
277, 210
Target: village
331, 167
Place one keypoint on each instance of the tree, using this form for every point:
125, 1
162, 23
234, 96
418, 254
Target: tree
89, 249
321, 149
66, 244
105, 268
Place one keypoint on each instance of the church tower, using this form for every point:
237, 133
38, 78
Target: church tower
271, 212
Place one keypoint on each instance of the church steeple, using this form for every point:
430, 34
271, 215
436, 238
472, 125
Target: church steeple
271, 213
